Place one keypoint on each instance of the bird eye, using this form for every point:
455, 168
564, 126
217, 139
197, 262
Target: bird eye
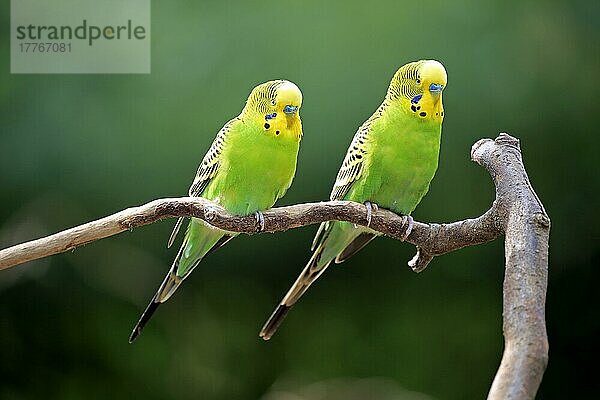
418, 81
273, 102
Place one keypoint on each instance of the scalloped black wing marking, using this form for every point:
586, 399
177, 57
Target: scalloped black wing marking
350, 171
206, 171
352, 165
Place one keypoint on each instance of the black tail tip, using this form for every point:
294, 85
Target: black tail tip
274, 321
134, 334
146, 315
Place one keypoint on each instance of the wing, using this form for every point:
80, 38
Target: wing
350, 171
211, 161
207, 170
352, 167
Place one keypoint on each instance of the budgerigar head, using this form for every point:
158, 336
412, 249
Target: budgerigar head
275, 96
276, 104
418, 86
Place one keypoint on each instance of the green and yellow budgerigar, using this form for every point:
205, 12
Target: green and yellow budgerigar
250, 164
390, 163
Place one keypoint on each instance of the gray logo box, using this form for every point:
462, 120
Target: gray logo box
80, 36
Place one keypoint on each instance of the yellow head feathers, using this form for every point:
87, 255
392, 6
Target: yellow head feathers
274, 96
433, 72
276, 106
418, 86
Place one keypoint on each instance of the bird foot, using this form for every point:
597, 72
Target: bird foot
372, 208
407, 219
260, 220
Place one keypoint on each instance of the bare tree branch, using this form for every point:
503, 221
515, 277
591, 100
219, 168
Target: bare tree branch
432, 239
517, 212
527, 229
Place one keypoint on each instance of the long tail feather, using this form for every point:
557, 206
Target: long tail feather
311, 272
274, 321
146, 315
196, 246
333, 240
164, 292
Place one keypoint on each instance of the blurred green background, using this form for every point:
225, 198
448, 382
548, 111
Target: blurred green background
77, 147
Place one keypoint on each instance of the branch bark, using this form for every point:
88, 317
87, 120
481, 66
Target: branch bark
516, 212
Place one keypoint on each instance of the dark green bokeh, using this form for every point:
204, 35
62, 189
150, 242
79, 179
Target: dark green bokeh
74, 148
